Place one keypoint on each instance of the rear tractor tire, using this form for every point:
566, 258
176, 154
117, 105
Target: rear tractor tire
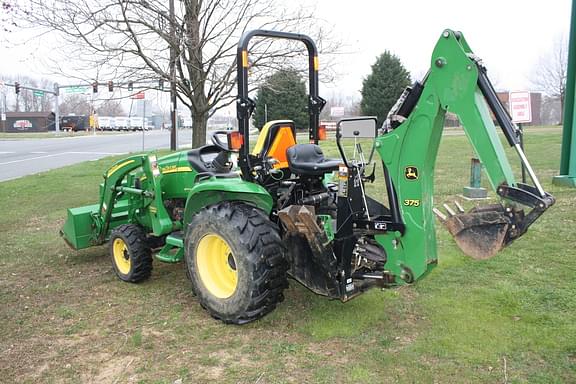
235, 261
130, 252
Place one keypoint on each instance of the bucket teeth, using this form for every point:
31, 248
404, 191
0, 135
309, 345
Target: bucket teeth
439, 214
450, 212
457, 204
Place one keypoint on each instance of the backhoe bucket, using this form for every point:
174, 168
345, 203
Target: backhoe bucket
481, 232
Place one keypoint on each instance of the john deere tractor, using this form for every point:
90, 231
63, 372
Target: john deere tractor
244, 214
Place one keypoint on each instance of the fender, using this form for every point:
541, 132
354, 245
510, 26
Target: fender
216, 190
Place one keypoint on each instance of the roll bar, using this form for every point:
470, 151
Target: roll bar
245, 106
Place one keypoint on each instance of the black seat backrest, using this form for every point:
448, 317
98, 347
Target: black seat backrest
308, 159
202, 159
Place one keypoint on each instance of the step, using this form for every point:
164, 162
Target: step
176, 239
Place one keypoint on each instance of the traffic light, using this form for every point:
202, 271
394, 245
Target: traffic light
130, 86
161, 84
56, 89
17, 87
95, 87
110, 86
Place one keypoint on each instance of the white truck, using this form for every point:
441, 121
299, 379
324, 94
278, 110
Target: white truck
186, 122
106, 123
121, 123
137, 123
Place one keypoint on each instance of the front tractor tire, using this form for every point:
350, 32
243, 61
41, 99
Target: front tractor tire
235, 261
131, 255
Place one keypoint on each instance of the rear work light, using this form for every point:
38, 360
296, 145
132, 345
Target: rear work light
322, 132
235, 140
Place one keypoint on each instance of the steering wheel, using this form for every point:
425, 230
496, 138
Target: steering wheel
214, 137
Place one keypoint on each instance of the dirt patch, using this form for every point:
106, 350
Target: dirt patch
111, 369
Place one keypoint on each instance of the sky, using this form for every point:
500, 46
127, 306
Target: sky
509, 35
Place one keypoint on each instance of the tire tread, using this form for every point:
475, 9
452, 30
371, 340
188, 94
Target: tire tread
257, 234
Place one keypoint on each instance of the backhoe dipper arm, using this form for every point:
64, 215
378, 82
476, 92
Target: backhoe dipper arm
457, 83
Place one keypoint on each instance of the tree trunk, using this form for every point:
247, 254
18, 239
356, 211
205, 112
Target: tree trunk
195, 67
199, 124
561, 109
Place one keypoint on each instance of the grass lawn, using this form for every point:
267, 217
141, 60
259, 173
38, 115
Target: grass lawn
65, 317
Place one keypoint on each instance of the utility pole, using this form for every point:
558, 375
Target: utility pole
143, 122
172, 77
56, 108
3, 116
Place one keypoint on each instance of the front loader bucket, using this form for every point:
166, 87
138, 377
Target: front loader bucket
480, 233
78, 230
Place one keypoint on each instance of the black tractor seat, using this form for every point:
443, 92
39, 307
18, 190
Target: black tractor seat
206, 160
308, 159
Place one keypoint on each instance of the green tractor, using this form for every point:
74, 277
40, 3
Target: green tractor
244, 217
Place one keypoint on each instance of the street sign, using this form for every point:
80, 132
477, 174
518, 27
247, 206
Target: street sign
75, 89
520, 107
38, 93
337, 111
140, 95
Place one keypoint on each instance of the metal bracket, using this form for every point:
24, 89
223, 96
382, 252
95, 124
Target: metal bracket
245, 107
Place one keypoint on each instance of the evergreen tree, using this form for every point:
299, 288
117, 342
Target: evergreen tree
283, 96
383, 86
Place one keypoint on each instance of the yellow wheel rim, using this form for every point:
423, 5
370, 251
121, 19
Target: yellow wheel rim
216, 266
121, 256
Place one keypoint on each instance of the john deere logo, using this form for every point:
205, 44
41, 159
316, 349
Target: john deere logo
411, 173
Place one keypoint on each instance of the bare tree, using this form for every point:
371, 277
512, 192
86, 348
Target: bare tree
10, 13
27, 101
110, 108
549, 75
551, 112
130, 40
75, 104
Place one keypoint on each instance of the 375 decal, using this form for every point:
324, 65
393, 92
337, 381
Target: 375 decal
412, 202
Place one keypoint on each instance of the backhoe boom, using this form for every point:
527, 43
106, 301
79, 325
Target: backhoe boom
456, 83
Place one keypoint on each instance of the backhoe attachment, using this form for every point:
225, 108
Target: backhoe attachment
484, 231
456, 83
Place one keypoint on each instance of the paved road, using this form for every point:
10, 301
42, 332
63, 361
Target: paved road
25, 157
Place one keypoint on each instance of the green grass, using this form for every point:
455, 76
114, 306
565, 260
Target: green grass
65, 317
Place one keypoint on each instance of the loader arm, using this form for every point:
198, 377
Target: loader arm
150, 197
457, 83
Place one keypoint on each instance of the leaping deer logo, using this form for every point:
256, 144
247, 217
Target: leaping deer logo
411, 173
